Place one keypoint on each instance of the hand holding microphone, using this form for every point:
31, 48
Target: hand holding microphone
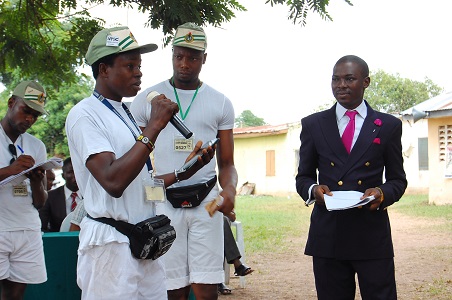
175, 120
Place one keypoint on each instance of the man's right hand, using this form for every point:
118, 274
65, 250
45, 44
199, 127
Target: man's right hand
22, 163
207, 154
163, 110
318, 191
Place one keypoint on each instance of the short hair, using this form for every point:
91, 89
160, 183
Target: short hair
108, 60
355, 59
67, 161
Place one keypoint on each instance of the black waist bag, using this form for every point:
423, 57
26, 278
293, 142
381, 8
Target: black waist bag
149, 239
190, 195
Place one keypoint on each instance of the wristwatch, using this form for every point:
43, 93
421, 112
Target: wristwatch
145, 140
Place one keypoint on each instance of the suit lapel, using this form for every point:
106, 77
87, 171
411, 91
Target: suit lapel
330, 131
369, 131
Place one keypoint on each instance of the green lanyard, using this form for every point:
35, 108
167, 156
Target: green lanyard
178, 102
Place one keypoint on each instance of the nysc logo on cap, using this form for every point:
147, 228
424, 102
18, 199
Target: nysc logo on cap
114, 40
33, 95
190, 35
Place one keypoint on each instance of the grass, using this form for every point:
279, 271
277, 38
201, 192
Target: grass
269, 222
417, 206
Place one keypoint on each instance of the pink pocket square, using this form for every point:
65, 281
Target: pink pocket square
377, 141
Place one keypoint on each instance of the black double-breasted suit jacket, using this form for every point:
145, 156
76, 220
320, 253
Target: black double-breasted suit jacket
53, 212
375, 161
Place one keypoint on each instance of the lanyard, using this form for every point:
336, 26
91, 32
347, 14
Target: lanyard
178, 102
129, 114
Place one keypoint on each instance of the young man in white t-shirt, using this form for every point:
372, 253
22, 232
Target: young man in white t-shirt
109, 154
196, 258
21, 247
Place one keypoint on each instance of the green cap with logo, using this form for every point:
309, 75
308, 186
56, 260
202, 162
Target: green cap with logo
114, 40
33, 94
190, 35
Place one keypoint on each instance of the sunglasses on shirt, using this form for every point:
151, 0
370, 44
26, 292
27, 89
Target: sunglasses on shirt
13, 151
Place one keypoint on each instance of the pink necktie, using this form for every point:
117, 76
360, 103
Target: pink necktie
73, 203
349, 132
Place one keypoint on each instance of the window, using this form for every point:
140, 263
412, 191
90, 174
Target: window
422, 144
270, 163
445, 139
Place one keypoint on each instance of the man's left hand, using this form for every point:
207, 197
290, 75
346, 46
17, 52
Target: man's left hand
374, 204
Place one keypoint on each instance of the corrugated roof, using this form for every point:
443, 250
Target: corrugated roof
263, 130
438, 103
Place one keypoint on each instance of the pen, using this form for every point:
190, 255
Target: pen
21, 150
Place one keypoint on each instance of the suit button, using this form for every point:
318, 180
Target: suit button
340, 182
332, 164
359, 182
367, 164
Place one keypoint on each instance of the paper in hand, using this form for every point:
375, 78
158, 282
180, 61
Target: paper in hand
345, 200
52, 163
213, 205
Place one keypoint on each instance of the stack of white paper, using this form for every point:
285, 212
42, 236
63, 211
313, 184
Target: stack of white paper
345, 200
52, 163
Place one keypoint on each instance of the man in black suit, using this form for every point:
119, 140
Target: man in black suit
358, 240
50, 175
61, 201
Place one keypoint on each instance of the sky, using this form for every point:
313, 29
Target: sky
282, 71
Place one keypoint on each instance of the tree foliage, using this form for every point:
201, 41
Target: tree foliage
248, 119
50, 129
47, 39
36, 39
298, 9
393, 94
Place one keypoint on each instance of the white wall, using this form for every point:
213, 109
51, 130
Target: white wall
418, 181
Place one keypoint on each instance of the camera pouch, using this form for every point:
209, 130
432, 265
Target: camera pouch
149, 239
190, 195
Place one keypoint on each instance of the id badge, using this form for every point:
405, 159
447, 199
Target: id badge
182, 144
155, 189
20, 190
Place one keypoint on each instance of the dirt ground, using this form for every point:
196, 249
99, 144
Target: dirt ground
423, 259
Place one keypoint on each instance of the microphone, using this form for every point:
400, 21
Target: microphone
175, 120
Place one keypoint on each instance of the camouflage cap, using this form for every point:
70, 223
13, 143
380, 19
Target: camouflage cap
114, 40
190, 35
33, 94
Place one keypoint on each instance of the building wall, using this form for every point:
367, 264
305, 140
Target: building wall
440, 187
418, 180
250, 161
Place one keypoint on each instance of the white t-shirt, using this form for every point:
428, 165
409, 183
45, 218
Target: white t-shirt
209, 112
18, 212
93, 128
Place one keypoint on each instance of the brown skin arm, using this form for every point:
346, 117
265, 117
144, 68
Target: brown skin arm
38, 184
374, 204
208, 154
38, 180
318, 191
74, 227
227, 172
115, 175
22, 163
231, 216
